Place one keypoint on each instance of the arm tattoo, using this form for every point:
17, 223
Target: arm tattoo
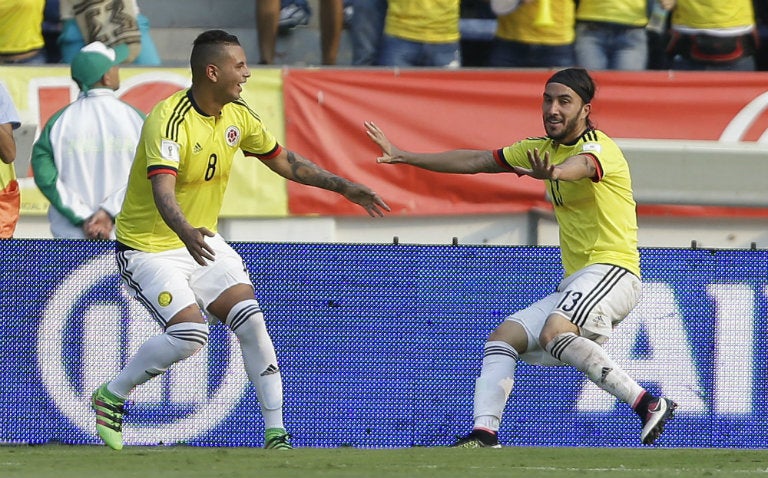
307, 172
170, 211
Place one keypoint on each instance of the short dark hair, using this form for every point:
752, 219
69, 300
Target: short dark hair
576, 79
206, 48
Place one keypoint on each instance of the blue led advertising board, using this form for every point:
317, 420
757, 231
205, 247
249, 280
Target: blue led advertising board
380, 345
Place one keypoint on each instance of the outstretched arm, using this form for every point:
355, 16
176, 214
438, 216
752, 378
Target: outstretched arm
458, 161
295, 167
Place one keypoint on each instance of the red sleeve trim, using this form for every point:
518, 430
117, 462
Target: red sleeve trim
598, 168
155, 170
270, 155
498, 155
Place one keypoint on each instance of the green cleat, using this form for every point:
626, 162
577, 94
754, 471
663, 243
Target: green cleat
109, 417
277, 439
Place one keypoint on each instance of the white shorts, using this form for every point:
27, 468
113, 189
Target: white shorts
167, 282
596, 299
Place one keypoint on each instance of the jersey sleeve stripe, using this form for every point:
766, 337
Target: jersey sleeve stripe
273, 153
598, 167
160, 169
498, 155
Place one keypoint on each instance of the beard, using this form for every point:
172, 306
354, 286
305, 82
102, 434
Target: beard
561, 131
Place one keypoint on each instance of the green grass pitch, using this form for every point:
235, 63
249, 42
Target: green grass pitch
62, 461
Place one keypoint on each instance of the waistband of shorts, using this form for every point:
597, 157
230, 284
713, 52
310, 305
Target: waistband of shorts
616, 265
120, 247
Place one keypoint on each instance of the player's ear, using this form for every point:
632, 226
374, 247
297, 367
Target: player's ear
212, 72
111, 78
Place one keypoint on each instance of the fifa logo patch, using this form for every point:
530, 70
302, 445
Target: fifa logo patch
593, 147
232, 135
164, 299
169, 150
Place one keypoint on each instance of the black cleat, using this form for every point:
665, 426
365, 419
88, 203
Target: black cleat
478, 439
659, 411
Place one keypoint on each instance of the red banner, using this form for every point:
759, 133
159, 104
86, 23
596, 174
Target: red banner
433, 110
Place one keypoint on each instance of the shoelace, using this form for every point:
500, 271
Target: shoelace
277, 441
113, 413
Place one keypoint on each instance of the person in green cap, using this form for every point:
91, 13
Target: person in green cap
83, 156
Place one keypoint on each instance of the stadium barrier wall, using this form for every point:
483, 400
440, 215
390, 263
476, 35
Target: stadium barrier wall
380, 345
686, 154
697, 166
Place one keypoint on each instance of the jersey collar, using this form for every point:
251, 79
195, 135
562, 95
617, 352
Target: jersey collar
195, 106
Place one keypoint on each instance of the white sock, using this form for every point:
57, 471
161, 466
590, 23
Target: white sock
591, 359
247, 322
158, 353
492, 388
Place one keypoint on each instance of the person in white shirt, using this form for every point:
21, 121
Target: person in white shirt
83, 156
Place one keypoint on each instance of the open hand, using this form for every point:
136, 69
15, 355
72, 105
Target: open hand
540, 166
369, 200
390, 153
194, 240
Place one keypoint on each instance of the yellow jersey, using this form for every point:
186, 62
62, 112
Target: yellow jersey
21, 26
597, 217
520, 25
713, 14
427, 21
626, 12
177, 138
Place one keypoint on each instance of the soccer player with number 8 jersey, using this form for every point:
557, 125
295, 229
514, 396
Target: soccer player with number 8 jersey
169, 253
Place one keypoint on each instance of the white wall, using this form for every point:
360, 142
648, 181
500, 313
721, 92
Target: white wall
521, 229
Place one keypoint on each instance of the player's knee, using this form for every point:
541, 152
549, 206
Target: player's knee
553, 342
246, 318
554, 328
548, 336
547, 339
188, 337
512, 333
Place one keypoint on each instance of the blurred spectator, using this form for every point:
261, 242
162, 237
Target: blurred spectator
51, 31
296, 13
657, 32
267, 23
761, 19
538, 33
477, 25
366, 27
713, 35
86, 21
421, 33
611, 35
83, 157
21, 32
293, 13
10, 197
270, 13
